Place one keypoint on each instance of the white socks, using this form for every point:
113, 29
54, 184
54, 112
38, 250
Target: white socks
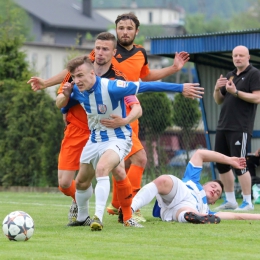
101, 193
230, 197
144, 196
82, 199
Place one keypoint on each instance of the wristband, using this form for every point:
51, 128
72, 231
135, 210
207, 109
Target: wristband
236, 93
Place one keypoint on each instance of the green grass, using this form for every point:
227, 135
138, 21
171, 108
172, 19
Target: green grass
52, 239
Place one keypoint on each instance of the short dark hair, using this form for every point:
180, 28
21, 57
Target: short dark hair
128, 16
107, 36
78, 61
220, 183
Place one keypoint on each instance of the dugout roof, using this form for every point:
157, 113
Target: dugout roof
211, 55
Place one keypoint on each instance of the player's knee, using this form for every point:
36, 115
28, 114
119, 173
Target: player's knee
164, 184
139, 158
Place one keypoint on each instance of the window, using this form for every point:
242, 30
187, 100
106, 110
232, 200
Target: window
150, 17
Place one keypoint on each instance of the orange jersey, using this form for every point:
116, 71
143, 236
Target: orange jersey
133, 63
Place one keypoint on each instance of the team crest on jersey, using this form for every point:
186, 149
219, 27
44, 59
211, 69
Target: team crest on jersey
102, 108
120, 83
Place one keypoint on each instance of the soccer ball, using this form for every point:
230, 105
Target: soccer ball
18, 226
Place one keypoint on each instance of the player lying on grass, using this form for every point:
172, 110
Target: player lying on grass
187, 200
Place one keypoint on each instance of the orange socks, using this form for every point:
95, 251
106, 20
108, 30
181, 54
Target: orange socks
124, 191
135, 175
69, 191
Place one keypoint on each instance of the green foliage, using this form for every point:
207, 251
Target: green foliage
14, 22
31, 126
197, 24
29, 143
157, 116
186, 113
157, 111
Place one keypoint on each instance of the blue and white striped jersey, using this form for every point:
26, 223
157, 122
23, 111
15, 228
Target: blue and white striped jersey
106, 97
191, 178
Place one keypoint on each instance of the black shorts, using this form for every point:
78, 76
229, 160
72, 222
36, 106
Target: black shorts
231, 143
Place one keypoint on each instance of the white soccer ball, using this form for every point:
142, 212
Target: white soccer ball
18, 226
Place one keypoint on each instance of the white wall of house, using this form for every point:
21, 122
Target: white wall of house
48, 60
147, 16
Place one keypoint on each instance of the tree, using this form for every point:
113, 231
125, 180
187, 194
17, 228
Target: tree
157, 116
186, 115
14, 21
31, 126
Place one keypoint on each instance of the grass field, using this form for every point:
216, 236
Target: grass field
52, 239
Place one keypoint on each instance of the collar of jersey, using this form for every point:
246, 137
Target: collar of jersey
95, 85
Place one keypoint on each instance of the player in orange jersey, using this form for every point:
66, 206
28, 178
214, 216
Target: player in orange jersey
77, 132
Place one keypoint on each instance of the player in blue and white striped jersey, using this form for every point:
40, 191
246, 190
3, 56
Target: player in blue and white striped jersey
187, 200
106, 148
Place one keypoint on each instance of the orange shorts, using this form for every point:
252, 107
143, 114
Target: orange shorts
74, 140
137, 145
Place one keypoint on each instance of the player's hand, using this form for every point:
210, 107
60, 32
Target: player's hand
230, 87
36, 83
67, 88
180, 59
192, 90
220, 83
238, 162
113, 122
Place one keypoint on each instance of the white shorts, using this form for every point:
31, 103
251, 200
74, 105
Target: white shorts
180, 196
92, 152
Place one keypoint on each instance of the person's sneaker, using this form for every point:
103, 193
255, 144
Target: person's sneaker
137, 216
132, 223
227, 205
111, 210
197, 219
76, 223
96, 224
73, 212
245, 206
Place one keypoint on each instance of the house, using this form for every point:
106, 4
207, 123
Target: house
62, 22
169, 16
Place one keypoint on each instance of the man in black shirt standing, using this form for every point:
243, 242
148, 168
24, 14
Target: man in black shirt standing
239, 94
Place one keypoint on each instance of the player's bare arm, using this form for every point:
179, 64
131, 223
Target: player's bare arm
116, 121
192, 90
179, 61
38, 83
63, 98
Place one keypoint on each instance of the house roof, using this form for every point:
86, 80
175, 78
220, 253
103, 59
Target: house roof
64, 14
